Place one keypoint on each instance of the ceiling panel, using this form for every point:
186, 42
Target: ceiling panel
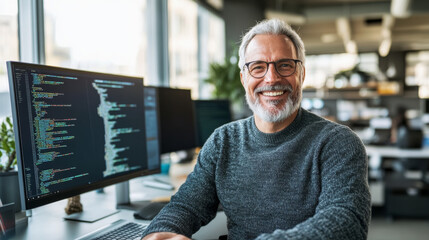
318, 25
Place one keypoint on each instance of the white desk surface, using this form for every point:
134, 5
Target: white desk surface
375, 158
47, 222
392, 151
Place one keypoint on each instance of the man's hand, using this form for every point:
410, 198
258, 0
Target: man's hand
165, 236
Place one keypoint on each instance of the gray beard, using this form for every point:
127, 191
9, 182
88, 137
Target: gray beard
273, 113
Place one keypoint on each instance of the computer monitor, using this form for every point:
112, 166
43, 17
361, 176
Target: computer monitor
78, 131
209, 115
176, 119
152, 128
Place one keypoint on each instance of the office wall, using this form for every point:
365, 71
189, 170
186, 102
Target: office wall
239, 16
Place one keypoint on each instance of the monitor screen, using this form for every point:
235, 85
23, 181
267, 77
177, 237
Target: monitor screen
209, 115
76, 131
176, 118
152, 127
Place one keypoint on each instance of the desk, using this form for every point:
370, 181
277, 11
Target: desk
375, 158
376, 153
47, 221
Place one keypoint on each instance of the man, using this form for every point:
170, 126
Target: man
283, 173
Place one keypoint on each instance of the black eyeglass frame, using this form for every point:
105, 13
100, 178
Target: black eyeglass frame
275, 66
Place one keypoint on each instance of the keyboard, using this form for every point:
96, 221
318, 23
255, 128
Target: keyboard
121, 229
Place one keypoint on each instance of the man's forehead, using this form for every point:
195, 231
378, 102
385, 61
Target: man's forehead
273, 42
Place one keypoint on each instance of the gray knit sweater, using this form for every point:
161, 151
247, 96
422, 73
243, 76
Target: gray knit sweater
308, 181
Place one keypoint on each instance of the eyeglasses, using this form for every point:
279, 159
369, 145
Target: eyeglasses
284, 67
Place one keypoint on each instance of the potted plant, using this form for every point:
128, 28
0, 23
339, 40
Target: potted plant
225, 78
9, 186
7, 146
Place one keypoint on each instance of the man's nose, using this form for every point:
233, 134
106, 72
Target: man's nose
272, 75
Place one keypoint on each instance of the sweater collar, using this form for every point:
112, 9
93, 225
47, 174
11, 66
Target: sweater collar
273, 138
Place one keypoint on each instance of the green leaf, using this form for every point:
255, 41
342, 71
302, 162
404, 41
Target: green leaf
9, 122
7, 145
6, 148
225, 78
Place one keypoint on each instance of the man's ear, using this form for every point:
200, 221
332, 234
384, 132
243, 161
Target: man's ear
302, 74
242, 78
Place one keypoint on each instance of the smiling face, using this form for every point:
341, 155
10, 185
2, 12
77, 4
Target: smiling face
272, 98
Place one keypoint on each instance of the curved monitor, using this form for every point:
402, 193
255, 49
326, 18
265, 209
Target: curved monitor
76, 131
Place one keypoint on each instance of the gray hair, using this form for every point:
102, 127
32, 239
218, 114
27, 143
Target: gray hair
274, 27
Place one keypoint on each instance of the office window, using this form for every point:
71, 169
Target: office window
183, 44
196, 38
211, 46
8, 49
96, 35
9, 38
212, 35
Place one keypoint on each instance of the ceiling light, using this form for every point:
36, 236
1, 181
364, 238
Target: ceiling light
386, 35
218, 4
388, 21
343, 28
329, 37
351, 47
290, 18
384, 48
400, 8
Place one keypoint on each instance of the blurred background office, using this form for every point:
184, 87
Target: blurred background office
367, 62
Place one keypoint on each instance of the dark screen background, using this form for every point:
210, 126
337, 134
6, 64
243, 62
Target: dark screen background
177, 122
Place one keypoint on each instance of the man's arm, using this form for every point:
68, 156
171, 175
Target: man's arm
344, 207
196, 202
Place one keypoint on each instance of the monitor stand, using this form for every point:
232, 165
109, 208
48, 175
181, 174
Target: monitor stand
123, 198
93, 215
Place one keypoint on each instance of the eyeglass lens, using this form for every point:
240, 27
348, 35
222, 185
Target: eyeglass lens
285, 67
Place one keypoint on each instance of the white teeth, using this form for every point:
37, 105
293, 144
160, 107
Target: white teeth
272, 94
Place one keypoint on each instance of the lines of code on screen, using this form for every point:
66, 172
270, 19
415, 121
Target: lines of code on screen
82, 128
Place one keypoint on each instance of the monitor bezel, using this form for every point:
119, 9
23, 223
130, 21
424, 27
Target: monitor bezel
28, 203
